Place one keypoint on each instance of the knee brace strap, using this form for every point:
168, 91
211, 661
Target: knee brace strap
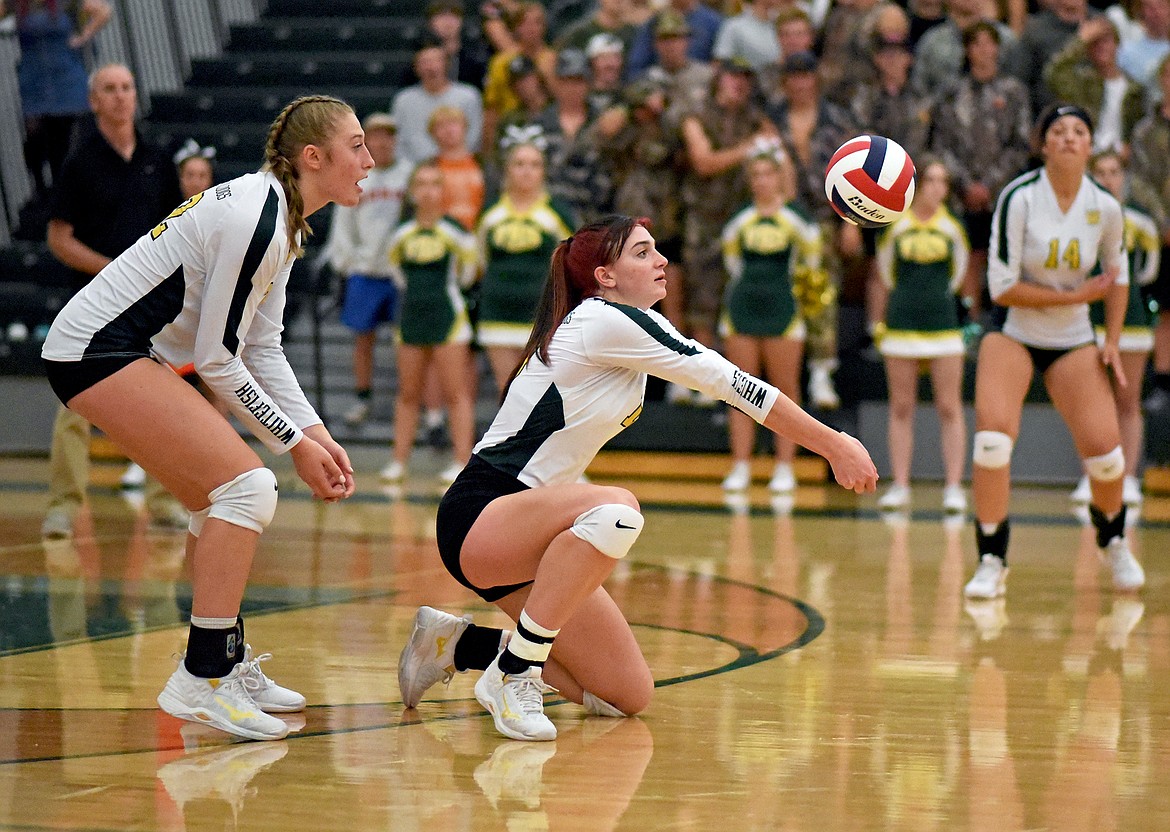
1107, 467
198, 518
248, 501
992, 449
599, 707
611, 528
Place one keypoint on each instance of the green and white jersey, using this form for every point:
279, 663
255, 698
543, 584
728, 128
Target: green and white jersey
1033, 241
431, 265
922, 262
557, 416
516, 248
761, 253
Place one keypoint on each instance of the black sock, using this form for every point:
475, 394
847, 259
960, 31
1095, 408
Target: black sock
211, 654
1107, 529
995, 543
239, 638
1162, 381
477, 647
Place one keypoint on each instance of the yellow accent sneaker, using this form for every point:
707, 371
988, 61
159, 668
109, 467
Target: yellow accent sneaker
429, 654
223, 703
516, 703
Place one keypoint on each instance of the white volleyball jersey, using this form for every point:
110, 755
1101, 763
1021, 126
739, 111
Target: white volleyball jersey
205, 287
557, 416
1033, 241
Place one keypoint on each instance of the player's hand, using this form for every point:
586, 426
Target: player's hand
1096, 288
316, 466
320, 434
1111, 359
851, 465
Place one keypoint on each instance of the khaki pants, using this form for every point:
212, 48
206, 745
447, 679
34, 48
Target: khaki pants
69, 468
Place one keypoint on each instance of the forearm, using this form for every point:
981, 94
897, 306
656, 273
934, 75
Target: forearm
72, 252
1033, 296
1115, 305
787, 419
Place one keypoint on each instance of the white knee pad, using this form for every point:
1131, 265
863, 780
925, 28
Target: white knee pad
1107, 467
248, 501
611, 528
992, 449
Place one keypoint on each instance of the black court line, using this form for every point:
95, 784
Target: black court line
747, 656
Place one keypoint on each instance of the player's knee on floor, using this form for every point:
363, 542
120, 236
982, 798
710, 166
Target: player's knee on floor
248, 501
611, 528
1106, 467
993, 449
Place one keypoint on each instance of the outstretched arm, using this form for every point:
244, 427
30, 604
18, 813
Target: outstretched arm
850, 461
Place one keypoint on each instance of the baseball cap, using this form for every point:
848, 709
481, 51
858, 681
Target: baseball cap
572, 63
738, 65
379, 121
671, 24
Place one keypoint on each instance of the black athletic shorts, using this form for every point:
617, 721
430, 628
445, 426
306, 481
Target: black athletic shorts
68, 378
477, 485
1043, 358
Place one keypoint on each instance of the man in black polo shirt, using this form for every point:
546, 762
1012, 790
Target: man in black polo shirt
114, 186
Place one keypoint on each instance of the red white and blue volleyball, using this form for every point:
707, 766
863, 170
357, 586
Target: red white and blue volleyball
870, 181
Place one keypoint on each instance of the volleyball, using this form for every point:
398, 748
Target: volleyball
870, 181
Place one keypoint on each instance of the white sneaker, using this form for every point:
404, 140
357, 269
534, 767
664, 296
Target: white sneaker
429, 654
990, 579
394, 472
1131, 492
954, 499
821, 389
783, 479
896, 497
1082, 493
223, 703
1128, 574
739, 478
133, 476
516, 703
358, 413
449, 473
271, 697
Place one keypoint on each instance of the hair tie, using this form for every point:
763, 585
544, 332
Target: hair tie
192, 149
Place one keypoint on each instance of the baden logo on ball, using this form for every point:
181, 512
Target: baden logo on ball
870, 181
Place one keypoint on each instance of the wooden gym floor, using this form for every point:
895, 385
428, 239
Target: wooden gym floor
817, 669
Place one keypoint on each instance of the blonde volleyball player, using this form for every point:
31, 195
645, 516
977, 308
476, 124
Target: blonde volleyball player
519, 530
1143, 248
207, 286
1051, 227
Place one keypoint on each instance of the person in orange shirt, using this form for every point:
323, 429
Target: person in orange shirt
463, 179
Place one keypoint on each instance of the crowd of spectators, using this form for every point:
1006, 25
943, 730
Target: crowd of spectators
653, 108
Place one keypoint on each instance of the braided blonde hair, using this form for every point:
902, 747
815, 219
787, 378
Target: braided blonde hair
304, 121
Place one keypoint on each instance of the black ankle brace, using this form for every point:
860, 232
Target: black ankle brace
1107, 529
995, 543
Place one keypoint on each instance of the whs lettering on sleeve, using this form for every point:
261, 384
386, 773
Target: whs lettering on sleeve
251, 399
748, 389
